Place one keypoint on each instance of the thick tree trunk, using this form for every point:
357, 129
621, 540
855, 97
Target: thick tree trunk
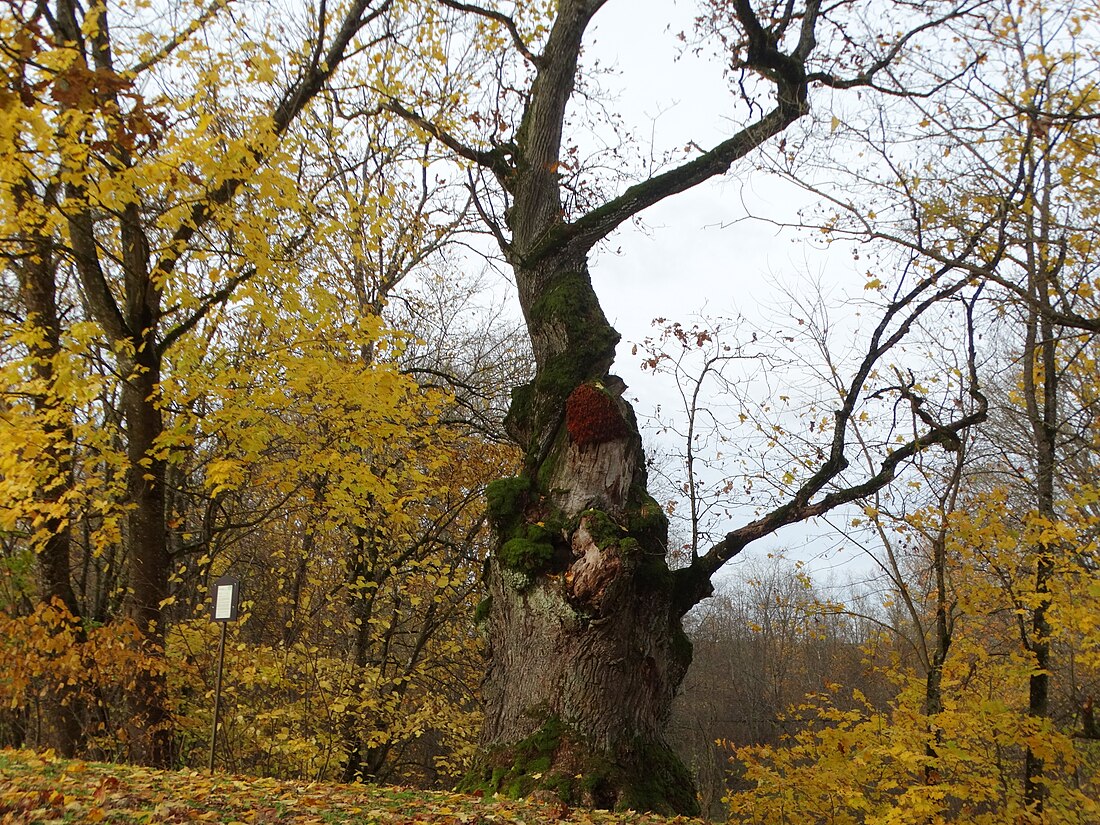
585, 635
587, 650
586, 660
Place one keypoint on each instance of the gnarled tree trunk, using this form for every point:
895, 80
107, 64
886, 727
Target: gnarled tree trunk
586, 643
587, 646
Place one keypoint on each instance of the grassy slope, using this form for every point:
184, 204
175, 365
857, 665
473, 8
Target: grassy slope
40, 788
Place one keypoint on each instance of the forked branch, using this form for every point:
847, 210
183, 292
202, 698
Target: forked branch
509, 24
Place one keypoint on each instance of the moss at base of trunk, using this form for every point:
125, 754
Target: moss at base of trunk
663, 783
514, 771
555, 759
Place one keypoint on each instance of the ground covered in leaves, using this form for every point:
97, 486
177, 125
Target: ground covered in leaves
40, 788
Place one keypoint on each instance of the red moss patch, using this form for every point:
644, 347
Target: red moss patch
592, 417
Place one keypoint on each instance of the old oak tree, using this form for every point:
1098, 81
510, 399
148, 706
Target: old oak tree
584, 625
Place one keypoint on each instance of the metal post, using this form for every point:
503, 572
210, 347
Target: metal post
217, 696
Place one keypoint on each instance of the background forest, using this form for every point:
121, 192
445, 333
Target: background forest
251, 323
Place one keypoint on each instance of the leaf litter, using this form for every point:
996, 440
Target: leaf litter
43, 789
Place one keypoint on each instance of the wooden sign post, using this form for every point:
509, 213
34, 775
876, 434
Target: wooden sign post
223, 609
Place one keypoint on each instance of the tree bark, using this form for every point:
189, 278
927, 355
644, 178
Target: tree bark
587, 648
149, 563
1041, 386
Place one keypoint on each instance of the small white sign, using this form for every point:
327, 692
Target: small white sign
223, 603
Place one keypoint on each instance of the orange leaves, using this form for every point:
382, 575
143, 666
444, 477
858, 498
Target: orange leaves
108, 785
49, 654
78, 87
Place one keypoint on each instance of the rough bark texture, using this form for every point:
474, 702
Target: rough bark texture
587, 647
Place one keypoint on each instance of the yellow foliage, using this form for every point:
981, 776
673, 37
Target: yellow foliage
49, 653
850, 764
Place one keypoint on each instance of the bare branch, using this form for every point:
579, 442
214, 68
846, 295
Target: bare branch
178, 39
494, 160
867, 77
499, 17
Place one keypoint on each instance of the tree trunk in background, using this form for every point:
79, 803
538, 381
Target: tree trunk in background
1041, 378
150, 724
38, 294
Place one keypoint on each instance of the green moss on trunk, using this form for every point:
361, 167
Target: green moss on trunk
512, 771
505, 500
524, 547
528, 553
482, 610
574, 343
647, 519
661, 782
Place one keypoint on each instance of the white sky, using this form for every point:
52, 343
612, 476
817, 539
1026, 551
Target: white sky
697, 254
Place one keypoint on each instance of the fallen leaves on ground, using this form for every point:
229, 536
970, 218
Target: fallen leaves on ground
41, 788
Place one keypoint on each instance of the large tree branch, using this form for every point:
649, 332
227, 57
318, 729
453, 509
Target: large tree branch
80, 221
537, 189
694, 581
493, 160
97, 291
786, 71
588, 230
214, 299
219, 297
